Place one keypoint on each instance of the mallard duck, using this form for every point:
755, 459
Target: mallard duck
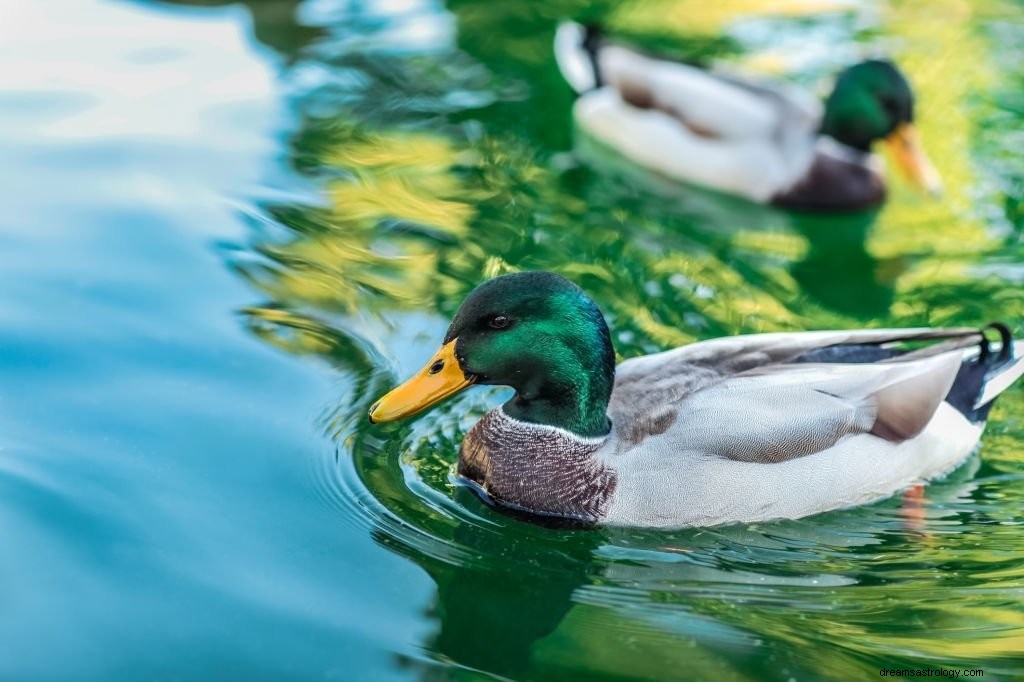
767, 142
736, 429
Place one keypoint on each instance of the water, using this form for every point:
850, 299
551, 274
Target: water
226, 229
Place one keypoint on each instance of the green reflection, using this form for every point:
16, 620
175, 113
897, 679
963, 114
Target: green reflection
838, 271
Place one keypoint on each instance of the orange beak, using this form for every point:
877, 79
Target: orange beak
442, 377
905, 147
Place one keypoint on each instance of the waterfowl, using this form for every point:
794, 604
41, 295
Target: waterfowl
767, 142
736, 429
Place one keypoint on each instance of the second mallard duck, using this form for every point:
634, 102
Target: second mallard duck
763, 141
745, 428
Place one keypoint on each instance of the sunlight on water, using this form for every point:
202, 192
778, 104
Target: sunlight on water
184, 456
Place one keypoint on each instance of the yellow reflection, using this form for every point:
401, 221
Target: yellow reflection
693, 16
948, 62
379, 237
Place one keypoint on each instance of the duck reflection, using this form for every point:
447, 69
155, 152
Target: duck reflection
838, 271
512, 593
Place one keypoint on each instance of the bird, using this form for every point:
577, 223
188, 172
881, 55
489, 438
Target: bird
728, 430
768, 142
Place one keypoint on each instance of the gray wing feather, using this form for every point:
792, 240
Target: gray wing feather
770, 423
722, 357
744, 399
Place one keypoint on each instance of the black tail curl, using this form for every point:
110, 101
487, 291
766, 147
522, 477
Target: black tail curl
1005, 338
974, 374
592, 45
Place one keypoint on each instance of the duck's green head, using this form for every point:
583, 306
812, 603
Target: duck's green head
873, 101
534, 331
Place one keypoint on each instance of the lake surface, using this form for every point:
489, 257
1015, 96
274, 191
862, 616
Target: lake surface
226, 229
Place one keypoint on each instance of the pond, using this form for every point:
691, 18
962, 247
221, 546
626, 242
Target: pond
227, 228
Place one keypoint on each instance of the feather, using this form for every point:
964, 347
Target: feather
771, 397
574, 59
1001, 379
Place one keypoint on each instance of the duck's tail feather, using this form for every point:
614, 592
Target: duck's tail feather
576, 48
986, 373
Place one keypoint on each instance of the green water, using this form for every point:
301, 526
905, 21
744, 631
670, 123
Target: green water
227, 229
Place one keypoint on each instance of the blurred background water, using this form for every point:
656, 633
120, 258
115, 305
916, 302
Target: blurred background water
226, 228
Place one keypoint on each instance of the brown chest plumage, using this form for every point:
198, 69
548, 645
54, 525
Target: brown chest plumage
537, 468
833, 184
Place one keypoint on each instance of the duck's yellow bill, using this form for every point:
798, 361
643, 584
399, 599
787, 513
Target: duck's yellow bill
905, 146
441, 378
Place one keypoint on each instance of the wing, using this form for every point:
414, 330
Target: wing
718, 104
772, 397
756, 167
708, 104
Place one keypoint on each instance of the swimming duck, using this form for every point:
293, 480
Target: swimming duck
767, 142
736, 429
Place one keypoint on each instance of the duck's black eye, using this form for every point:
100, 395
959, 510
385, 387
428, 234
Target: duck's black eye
891, 106
499, 322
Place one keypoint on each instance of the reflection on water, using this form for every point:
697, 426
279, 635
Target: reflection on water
216, 489
863, 286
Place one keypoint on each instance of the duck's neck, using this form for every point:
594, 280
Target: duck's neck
581, 410
850, 123
573, 390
